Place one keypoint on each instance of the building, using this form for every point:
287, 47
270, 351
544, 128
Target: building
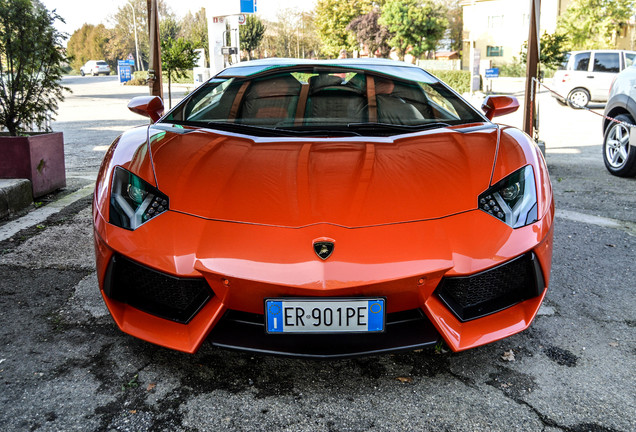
499, 28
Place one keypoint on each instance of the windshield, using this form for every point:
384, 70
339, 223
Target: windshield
326, 100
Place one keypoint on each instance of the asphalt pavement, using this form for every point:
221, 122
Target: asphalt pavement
64, 366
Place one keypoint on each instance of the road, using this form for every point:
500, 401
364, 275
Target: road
65, 366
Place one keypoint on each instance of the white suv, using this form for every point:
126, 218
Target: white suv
588, 75
95, 67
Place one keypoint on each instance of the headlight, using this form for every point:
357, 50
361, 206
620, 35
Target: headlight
512, 200
134, 201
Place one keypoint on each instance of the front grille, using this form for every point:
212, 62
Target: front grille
407, 330
490, 291
167, 296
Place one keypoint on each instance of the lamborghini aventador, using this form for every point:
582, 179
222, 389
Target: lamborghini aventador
323, 209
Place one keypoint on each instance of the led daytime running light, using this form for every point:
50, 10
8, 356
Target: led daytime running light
134, 201
513, 200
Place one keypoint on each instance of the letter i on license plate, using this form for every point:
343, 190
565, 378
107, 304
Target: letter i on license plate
325, 315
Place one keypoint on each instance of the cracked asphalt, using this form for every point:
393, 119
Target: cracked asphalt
64, 366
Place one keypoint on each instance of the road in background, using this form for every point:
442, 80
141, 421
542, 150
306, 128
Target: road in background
65, 366
94, 113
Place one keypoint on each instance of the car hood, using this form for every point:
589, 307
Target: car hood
351, 182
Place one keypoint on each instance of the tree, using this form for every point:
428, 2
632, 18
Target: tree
89, 42
552, 50
417, 25
593, 24
122, 41
195, 29
370, 33
177, 56
31, 57
332, 19
251, 34
169, 27
455, 31
293, 34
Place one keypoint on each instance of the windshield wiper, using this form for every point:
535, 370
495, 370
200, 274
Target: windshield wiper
264, 130
373, 126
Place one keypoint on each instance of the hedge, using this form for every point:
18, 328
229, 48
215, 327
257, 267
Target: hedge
458, 80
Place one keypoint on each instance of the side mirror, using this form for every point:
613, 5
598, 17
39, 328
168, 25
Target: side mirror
495, 106
147, 106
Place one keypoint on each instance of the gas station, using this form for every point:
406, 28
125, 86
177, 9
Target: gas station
223, 27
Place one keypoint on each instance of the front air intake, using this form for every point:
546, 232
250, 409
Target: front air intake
492, 290
160, 294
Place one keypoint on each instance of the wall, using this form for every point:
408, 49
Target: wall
504, 25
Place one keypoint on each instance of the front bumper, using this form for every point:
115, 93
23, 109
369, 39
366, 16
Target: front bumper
243, 264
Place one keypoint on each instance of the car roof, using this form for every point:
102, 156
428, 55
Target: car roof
601, 50
278, 61
384, 66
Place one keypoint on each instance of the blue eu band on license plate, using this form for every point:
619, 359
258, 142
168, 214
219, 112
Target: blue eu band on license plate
324, 315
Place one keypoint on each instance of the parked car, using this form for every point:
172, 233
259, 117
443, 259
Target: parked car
323, 209
586, 76
619, 154
95, 67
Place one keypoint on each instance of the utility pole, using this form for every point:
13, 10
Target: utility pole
140, 65
154, 69
532, 69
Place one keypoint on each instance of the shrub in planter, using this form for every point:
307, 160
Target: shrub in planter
31, 66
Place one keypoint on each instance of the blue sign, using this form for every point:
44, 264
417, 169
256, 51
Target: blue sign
124, 70
248, 6
492, 73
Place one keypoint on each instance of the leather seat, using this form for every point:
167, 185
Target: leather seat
330, 98
271, 101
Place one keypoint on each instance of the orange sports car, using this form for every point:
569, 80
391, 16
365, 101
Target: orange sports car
323, 209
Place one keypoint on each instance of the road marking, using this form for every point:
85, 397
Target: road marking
37, 216
629, 227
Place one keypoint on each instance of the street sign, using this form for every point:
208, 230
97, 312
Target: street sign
231, 7
248, 6
124, 71
492, 73
241, 19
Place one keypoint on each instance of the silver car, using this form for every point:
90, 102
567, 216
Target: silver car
619, 152
586, 76
95, 67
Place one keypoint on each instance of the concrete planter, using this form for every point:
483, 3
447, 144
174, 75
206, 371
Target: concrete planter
38, 157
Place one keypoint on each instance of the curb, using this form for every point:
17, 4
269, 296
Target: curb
15, 195
37, 216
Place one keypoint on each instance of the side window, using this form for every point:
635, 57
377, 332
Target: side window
582, 61
607, 62
564, 65
629, 59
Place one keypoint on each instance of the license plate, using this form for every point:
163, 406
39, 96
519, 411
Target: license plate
324, 315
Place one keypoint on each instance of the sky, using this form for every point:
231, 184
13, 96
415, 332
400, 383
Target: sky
78, 12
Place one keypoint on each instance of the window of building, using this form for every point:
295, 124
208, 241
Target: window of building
494, 51
607, 62
495, 21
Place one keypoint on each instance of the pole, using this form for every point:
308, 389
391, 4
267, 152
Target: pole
154, 69
140, 65
532, 69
